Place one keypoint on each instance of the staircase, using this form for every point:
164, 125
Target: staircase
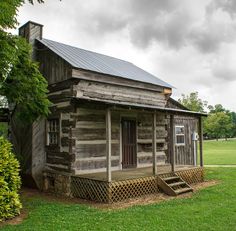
173, 185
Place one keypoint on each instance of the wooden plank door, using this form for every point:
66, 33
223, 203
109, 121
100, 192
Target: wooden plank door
129, 152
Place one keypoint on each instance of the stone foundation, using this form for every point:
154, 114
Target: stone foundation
57, 183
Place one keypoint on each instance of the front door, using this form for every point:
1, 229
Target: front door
129, 153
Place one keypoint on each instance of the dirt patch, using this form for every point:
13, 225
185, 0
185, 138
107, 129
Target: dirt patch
16, 220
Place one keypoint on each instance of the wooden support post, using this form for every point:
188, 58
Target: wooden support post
154, 144
172, 143
200, 132
108, 143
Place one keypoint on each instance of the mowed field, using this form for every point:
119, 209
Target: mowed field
220, 152
212, 208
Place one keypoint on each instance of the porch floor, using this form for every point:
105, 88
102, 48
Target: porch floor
134, 173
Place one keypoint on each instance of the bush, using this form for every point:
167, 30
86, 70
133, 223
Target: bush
10, 204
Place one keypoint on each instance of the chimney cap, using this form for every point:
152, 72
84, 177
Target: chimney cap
30, 22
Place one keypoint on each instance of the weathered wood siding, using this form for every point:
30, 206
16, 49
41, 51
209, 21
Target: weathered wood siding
103, 91
53, 67
184, 154
38, 151
108, 79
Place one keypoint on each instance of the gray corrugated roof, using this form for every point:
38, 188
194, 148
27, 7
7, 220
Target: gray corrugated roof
88, 60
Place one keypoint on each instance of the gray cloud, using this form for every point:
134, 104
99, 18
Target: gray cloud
168, 22
228, 6
212, 35
225, 73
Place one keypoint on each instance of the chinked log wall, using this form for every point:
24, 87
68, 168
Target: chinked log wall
90, 135
103, 91
83, 134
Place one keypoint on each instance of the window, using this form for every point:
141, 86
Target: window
53, 132
179, 135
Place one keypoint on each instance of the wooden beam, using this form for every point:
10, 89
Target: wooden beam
108, 143
200, 132
172, 143
154, 144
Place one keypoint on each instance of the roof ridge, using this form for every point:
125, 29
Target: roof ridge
94, 52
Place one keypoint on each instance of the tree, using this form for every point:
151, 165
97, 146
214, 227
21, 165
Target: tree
219, 125
216, 108
193, 102
20, 80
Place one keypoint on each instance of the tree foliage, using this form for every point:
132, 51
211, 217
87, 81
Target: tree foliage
20, 80
220, 123
9, 182
193, 102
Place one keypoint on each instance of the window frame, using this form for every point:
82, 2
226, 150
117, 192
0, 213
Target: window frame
57, 132
180, 135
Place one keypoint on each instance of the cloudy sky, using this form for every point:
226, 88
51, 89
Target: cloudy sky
189, 44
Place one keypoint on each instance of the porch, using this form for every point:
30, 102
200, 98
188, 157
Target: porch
134, 173
129, 183
138, 133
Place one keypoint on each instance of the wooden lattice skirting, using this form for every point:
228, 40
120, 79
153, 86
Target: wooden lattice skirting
115, 191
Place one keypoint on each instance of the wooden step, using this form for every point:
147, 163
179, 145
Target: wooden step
183, 190
179, 183
167, 184
171, 178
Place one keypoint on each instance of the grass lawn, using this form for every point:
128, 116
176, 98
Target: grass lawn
213, 208
219, 152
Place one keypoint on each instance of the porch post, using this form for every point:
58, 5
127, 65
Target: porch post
108, 143
154, 144
172, 143
200, 131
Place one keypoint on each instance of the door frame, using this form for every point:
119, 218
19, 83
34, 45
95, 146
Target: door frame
132, 117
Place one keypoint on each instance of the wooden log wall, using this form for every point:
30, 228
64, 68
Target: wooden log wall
90, 138
61, 157
103, 91
144, 142
90, 144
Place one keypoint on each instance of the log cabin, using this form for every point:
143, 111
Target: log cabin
114, 131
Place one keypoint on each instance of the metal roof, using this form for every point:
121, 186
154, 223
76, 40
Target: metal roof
92, 61
143, 106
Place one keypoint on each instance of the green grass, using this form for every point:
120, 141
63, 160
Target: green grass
213, 208
219, 152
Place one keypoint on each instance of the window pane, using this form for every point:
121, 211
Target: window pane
180, 139
179, 130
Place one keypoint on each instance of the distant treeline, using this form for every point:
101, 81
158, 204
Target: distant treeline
220, 123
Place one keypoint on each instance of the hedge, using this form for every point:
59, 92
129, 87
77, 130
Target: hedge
10, 204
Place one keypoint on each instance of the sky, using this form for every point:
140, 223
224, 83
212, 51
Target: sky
189, 44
